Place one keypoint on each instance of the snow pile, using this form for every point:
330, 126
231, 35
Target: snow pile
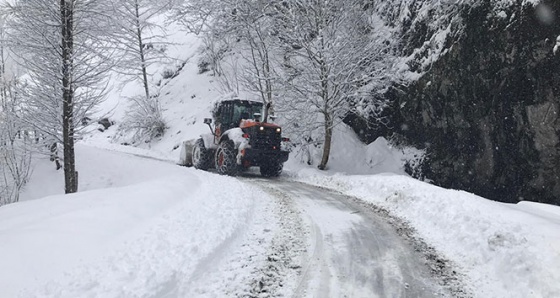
350, 156
506, 250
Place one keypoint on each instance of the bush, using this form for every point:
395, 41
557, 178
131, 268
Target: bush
105, 123
203, 66
144, 120
15, 168
169, 74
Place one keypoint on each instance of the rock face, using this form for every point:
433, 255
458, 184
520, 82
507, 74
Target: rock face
487, 110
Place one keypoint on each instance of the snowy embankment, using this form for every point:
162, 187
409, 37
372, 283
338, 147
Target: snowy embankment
141, 227
505, 250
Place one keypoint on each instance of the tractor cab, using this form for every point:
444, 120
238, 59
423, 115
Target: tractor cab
228, 114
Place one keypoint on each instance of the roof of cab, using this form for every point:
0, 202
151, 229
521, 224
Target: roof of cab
241, 100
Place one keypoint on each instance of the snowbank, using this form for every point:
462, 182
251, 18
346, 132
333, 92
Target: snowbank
147, 230
505, 250
350, 156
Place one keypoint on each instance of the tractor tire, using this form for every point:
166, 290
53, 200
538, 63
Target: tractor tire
226, 159
272, 169
201, 157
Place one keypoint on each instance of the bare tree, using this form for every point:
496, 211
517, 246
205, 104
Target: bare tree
256, 22
194, 15
141, 38
15, 147
199, 17
337, 53
66, 49
143, 43
215, 21
239, 29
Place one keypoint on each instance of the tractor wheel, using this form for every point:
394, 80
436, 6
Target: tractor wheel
272, 169
201, 157
226, 159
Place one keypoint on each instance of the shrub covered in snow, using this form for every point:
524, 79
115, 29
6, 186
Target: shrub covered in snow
144, 121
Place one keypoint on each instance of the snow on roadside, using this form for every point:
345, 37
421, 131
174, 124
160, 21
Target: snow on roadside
276, 261
147, 228
505, 250
349, 155
113, 167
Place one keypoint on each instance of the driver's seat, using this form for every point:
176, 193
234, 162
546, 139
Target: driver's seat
244, 115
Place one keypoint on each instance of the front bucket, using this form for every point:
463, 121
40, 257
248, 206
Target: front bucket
185, 157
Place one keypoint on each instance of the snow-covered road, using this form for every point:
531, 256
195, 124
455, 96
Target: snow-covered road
141, 227
353, 252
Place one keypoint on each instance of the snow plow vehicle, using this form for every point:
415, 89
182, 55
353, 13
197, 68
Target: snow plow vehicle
238, 141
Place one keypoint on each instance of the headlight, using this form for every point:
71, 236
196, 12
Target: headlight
261, 128
278, 130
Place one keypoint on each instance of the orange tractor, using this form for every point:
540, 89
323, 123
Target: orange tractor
238, 141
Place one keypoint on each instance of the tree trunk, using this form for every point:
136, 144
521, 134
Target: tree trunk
4, 92
328, 141
141, 50
324, 77
67, 45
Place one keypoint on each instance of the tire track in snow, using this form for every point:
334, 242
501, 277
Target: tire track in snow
364, 252
281, 273
314, 260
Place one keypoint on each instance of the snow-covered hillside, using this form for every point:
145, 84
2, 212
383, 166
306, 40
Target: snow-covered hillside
142, 226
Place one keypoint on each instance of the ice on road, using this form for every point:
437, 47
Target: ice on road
352, 251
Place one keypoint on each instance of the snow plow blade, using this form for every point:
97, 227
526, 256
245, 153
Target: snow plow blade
185, 157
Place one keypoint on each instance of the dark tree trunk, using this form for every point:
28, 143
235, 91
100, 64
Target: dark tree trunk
324, 76
67, 45
328, 141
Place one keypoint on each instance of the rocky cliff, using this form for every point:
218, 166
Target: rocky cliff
486, 100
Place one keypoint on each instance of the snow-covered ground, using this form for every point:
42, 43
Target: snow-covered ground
504, 250
143, 227
139, 228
